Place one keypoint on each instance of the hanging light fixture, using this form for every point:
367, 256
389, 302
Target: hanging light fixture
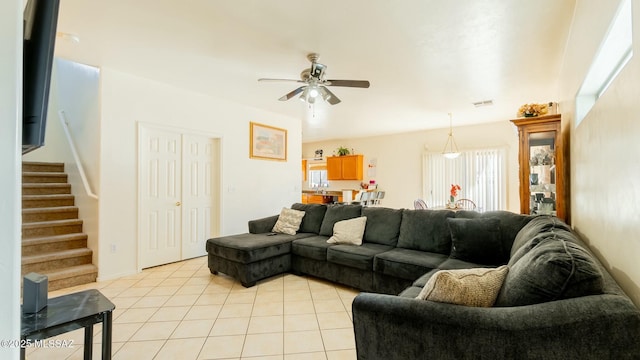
450, 148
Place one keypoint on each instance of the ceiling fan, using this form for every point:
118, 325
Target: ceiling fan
316, 84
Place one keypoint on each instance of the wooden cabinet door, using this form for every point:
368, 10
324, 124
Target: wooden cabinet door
352, 167
334, 168
304, 170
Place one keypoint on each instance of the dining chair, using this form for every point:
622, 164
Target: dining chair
379, 197
419, 204
465, 204
363, 198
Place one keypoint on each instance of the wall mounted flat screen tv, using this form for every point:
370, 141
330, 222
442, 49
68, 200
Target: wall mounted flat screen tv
40, 23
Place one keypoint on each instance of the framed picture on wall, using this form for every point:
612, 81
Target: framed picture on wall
267, 142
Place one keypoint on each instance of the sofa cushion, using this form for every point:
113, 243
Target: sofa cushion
348, 232
426, 230
383, 225
359, 257
314, 247
553, 269
248, 248
288, 221
469, 287
451, 264
337, 213
405, 263
312, 220
559, 234
477, 240
510, 223
539, 224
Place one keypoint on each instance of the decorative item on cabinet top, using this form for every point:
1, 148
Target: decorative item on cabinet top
342, 151
533, 109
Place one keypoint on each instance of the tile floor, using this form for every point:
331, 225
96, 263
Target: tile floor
181, 311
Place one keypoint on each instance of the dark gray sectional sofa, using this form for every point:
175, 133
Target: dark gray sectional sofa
557, 301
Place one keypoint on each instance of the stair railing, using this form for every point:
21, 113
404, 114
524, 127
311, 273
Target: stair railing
76, 157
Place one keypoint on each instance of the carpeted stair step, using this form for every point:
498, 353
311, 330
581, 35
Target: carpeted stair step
46, 189
49, 213
71, 276
48, 262
51, 228
47, 244
34, 201
53, 243
43, 177
34, 166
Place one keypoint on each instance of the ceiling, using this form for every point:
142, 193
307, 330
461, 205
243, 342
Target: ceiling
424, 58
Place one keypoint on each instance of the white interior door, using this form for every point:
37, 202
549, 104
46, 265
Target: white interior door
160, 196
198, 195
178, 185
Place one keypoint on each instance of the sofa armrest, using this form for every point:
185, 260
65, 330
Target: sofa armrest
264, 225
590, 327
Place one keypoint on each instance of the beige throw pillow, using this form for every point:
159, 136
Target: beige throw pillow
289, 221
348, 231
470, 287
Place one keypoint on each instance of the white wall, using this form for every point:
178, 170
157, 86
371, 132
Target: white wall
10, 163
605, 154
249, 188
399, 158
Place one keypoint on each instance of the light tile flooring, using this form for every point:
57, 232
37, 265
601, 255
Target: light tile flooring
181, 311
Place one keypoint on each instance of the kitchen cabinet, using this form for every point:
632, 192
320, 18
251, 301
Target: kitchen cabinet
304, 170
348, 167
543, 166
319, 199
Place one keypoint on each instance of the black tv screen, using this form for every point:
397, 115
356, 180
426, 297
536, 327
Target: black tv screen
40, 23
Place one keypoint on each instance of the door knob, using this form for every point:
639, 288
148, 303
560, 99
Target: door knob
178, 203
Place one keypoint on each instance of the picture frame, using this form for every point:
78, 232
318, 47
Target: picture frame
267, 142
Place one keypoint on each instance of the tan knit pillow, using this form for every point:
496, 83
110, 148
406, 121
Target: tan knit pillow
469, 287
349, 232
289, 221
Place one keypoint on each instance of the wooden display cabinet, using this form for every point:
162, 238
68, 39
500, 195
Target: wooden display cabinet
543, 183
348, 167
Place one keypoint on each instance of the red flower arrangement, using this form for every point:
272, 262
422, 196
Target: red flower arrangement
455, 189
454, 192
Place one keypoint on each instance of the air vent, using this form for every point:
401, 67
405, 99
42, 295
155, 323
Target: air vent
483, 103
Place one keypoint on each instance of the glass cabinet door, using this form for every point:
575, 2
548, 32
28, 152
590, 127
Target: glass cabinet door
543, 182
542, 172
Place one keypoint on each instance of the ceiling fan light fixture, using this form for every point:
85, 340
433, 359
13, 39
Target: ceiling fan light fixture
305, 94
325, 94
450, 150
316, 84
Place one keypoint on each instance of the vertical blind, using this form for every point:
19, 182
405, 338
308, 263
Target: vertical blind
480, 173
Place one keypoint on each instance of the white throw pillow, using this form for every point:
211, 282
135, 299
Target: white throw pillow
470, 287
348, 231
289, 221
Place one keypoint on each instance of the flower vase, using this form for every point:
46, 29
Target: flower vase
452, 202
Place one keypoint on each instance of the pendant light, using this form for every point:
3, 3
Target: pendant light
450, 148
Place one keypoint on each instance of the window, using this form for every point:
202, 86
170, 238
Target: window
480, 173
318, 175
614, 53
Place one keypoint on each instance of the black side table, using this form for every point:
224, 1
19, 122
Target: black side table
71, 312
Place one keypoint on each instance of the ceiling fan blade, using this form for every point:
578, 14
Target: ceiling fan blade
328, 96
292, 94
348, 83
266, 79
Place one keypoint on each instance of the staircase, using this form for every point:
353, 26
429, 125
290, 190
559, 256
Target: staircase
53, 243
